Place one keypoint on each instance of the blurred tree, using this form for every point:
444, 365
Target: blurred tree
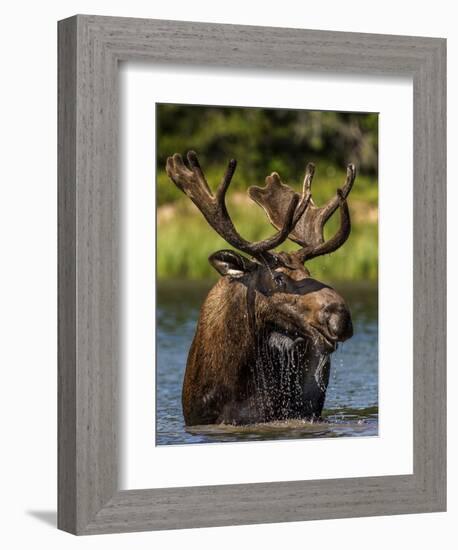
264, 140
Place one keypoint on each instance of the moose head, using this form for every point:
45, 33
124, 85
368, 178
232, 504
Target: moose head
266, 329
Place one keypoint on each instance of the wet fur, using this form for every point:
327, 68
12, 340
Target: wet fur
234, 373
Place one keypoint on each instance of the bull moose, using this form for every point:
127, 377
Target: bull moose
261, 351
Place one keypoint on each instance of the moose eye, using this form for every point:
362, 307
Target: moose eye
280, 281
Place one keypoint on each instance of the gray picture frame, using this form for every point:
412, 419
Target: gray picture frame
90, 49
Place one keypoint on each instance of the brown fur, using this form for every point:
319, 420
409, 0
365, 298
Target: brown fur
216, 373
218, 383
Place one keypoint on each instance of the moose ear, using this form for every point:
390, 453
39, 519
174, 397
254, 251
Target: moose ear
231, 263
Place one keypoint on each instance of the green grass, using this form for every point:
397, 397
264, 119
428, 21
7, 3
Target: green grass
185, 240
327, 179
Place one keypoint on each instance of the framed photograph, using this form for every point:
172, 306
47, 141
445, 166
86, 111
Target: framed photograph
274, 326
251, 275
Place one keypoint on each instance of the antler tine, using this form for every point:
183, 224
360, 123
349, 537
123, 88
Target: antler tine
193, 183
331, 206
308, 178
195, 165
335, 242
226, 181
318, 246
306, 192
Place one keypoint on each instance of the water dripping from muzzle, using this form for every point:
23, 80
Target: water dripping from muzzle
279, 374
319, 372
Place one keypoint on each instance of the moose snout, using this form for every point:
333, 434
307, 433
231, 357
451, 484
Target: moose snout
336, 317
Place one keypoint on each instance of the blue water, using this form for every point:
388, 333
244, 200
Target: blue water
351, 407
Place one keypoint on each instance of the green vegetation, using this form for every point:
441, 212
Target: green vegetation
265, 140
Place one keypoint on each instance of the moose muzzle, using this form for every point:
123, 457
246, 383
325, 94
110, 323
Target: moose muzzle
337, 320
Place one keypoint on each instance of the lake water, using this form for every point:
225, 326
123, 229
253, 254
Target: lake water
351, 406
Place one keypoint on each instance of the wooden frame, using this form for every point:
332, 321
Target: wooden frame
90, 48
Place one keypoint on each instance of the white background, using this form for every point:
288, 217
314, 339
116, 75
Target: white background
388, 454
28, 285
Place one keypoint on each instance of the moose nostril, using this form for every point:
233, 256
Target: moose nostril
338, 320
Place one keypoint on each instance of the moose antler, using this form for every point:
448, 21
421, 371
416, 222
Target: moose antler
193, 183
308, 229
